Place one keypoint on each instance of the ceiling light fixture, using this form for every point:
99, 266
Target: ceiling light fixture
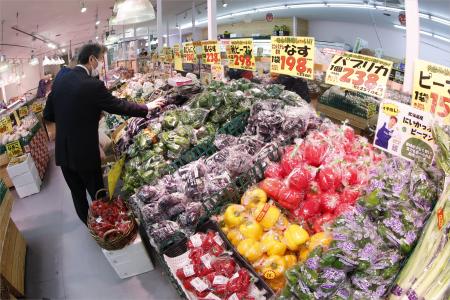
63, 50
97, 22
440, 20
350, 5
436, 36
224, 3
51, 45
388, 8
133, 11
83, 7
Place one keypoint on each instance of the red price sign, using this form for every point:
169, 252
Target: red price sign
358, 72
293, 56
210, 52
240, 54
189, 53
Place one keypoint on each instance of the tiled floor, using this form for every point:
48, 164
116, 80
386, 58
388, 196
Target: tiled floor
63, 261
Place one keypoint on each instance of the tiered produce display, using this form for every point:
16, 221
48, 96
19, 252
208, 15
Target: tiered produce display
301, 208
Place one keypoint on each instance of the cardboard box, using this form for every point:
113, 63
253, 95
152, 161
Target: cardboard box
28, 189
131, 260
21, 168
27, 178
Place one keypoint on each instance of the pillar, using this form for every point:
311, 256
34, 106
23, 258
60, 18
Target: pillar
412, 42
212, 20
159, 24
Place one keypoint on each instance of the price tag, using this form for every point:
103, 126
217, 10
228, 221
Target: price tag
6, 125
14, 149
432, 89
188, 270
178, 60
199, 284
37, 107
210, 53
405, 131
365, 74
219, 279
293, 56
217, 72
189, 53
240, 54
23, 111
114, 175
167, 54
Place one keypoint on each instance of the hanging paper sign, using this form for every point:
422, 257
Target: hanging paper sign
23, 111
37, 107
114, 175
167, 54
177, 59
405, 131
14, 149
189, 53
210, 52
240, 54
362, 73
217, 72
293, 56
6, 125
155, 57
432, 89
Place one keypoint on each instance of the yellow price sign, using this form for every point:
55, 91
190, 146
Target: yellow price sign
432, 89
217, 72
361, 73
240, 54
168, 55
114, 175
23, 111
292, 55
189, 53
37, 107
6, 125
14, 149
178, 60
210, 53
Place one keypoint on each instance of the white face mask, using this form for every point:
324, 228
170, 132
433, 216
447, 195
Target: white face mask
95, 72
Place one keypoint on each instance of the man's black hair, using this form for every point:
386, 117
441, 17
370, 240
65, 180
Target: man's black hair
395, 118
88, 50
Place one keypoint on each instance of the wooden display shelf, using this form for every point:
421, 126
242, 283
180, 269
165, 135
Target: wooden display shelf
353, 120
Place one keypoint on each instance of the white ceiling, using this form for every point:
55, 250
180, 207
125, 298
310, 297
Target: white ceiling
61, 20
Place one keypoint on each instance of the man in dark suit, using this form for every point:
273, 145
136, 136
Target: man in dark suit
75, 105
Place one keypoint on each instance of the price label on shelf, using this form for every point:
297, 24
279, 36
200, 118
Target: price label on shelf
240, 54
432, 89
168, 55
189, 53
14, 149
217, 72
177, 59
23, 111
361, 73
6, 125
37, 107
210, 53
292, 55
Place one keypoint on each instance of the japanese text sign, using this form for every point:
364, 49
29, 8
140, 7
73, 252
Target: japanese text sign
189, 53
217, 72
405, 131
210, 52
240, 54
293, 56
23, 111
14, 149
6, 125
432, 89
178, 60
360, 73
37, 107
168, 55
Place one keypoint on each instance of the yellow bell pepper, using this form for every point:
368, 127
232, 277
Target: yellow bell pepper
319, 239
290, 260
225, 228
273, 267
250, 249
303, 254
272, 244
234, 215
277, 284
234, 236
294, 236
251, 230
266, 214
253, 197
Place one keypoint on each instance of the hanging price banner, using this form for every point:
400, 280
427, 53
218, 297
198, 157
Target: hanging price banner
210, 53
6, 125
23, 111
293, 56
189, 53
240, 54
14, 149
432, 89
217, 72
365, 74
167, 54
178, 60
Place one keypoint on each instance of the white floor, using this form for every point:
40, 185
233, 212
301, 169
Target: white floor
63, 261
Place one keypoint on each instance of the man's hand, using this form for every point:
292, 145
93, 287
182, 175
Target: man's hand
155, 104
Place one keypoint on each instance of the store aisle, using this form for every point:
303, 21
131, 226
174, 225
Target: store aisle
63, 261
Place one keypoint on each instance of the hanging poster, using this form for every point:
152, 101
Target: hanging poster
210, 53
240, 54
292, 55
362, 73
189, 53
404, 131
432, 89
